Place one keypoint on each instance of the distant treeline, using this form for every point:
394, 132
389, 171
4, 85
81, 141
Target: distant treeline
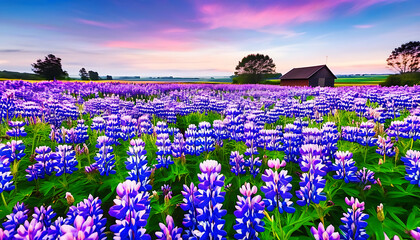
18, 75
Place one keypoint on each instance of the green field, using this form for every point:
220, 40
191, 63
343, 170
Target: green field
348, 81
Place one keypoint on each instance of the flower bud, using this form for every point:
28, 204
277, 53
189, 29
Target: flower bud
70, 198
380, 212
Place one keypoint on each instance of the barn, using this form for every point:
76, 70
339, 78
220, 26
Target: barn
309, 76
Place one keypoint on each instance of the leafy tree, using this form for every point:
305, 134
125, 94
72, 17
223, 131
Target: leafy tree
252, 68
50, 68
93, 75
405, 58
83, 74
108, 77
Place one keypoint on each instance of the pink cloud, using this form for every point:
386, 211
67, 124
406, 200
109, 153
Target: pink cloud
220, 15
364, 26
154, 44
100, 24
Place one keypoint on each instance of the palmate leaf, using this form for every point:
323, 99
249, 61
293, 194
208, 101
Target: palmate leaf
413, 220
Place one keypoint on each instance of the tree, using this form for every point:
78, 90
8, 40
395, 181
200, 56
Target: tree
405, 58
50, 68
83, 74
252, 68
108, 77
93, 75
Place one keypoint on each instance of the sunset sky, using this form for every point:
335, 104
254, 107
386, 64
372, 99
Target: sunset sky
204, 38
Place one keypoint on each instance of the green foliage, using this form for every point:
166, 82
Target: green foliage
409, 79
18, 75
50, 68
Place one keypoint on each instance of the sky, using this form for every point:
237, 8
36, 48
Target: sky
186, 38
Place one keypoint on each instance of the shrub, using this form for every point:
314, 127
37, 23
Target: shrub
408, 79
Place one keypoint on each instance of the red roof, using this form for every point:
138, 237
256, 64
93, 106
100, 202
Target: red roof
304, 72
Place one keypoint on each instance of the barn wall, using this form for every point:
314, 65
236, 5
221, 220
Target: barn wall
298, 82
323, 73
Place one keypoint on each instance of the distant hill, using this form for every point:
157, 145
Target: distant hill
18, 75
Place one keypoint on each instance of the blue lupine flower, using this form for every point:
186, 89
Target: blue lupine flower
237, 162
169, 232
349, 133
312, 182
81, 131
329, 142
345, 167
234, 123
366, 133
220, 132
249, 213
144, 125
277, 189
269, 139
16, 150
354, 221
105, 158
98, 124
413, 127
18, 129
190, 205
291, 145
311, 136
113, 129
170, 115
82, 229
173, 131
88, 208
178, 146
251, 137
137, 164
44, 158
360, 106
161, 128
193, 145
15, 219
128, 127
397, 129
211, 197
385, 147
6, 183
325, 234
131, 209
163, 143
71, 136
57, 134
7, 105
44, 216
412, 166
415, 233
64, 160
206, 136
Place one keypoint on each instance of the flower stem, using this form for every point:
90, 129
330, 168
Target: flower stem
4, 200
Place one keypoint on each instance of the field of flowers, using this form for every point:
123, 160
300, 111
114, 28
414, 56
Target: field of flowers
201, 161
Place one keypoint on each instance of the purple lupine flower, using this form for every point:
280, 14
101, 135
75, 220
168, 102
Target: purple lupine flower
397, 129
18, 217
276, 164
144, 125
88, 208
83, 229
64, 160
33, 230
169, 232
211, 197
163, 143
18, 129
190, 205
128, 127
312, 182
220, 132
249, 213
354, 221
237, 162
415, 233
193, 145
105, 158
277, 188
44, 215
329, 141
167, 192
178, 146
412, 166
16, 150
325, 234
413, 127
137, 164
131, 209
311, 136
81, 131
345, 167
113, 129
98, 124
385, 146
365, 177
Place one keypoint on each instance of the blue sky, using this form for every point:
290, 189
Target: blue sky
204, 38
